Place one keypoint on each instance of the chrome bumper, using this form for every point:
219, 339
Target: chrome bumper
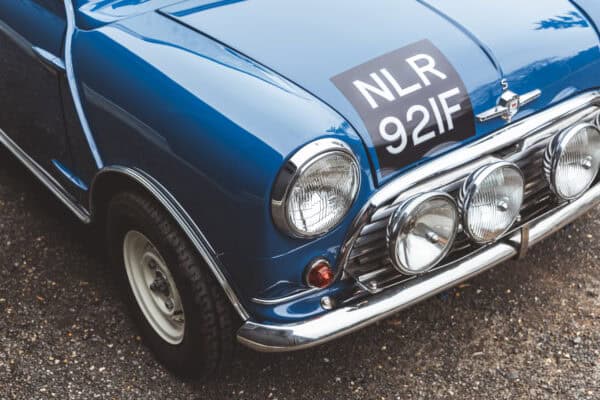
346, 319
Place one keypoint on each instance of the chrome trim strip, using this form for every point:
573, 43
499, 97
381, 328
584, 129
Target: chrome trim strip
185, 222
445, 165
349, 318
48, 180
68, 60
279, 300
50, 60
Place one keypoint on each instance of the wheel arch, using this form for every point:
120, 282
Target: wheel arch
114, 179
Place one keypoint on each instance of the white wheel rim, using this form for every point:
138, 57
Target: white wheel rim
154, 287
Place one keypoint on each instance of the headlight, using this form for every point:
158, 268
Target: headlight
315, 189
572, 160
421, 232
490, 201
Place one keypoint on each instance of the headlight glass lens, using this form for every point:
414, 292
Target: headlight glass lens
421, 232
572, 161
322, 194
490, 201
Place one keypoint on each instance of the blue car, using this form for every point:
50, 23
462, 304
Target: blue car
282, 173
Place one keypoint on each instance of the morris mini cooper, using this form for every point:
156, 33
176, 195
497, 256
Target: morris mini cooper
282, 173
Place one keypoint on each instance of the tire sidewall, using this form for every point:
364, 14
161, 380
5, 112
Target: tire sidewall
122, 218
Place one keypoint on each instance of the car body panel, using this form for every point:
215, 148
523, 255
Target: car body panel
592, 9
92, 14
40, 25
32, 114
480, 44
207, 96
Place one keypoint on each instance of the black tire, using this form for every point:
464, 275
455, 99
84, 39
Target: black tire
210, 321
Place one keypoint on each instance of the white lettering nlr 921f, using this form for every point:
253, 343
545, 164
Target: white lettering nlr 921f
386, 87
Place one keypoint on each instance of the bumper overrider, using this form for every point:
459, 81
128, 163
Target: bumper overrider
373, 300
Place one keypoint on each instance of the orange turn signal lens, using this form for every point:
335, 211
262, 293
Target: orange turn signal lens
319, 274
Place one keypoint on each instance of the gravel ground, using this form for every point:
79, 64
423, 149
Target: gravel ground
526, 329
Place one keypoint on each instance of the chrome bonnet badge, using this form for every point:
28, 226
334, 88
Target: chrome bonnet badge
509, 104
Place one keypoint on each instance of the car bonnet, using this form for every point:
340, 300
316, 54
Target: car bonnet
412, 77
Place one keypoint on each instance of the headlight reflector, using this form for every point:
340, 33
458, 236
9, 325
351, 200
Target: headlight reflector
421, 232
572, 160
315, 189
490, 201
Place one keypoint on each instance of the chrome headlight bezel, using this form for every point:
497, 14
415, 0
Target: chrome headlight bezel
554, 153
293, 169
401, 219
470, 187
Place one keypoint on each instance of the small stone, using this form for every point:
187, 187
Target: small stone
512, 375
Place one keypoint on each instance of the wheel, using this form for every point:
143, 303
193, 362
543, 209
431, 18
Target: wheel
183, 314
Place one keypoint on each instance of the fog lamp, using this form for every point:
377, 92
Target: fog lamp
490, 201
572, 160
421, 232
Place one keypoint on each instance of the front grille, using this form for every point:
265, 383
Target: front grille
368, 261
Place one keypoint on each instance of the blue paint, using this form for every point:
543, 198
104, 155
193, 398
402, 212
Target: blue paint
72, 81
74, 179
529, 58
211, 105
205, 5
18, 16
92, 14
212, 146
592, 9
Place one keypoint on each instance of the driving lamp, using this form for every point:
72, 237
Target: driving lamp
421, 232
490, 201
572, 160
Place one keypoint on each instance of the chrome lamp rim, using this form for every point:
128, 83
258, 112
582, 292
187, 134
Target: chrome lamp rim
297, 164
402, 215
470, 187
554, 152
